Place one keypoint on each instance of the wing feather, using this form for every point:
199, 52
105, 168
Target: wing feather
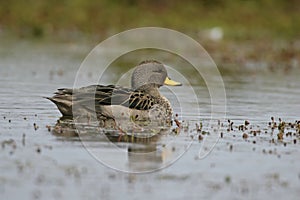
102, 95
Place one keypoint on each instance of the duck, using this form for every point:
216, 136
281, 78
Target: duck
139, 104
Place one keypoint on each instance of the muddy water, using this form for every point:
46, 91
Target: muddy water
36, 164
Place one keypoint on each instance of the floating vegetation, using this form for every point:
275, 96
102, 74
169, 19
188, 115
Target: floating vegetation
245, 136
38, 150
227, 179
276, 132
49, 128
230, 147
200, 137
10, 142
36, 127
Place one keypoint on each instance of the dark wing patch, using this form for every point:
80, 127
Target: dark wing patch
141, 101
105, 95
116, 95
112, 95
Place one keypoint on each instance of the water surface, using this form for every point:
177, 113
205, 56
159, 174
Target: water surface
36, 164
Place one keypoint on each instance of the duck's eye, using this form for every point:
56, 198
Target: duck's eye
158, 71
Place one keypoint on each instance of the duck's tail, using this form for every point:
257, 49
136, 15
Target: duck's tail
63, 104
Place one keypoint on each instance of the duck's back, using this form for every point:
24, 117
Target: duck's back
92, 98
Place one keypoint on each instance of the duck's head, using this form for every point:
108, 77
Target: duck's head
152, 73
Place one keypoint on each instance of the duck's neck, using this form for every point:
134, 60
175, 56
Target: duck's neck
153, 92
151, 89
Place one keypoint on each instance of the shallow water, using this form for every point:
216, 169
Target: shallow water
36, 164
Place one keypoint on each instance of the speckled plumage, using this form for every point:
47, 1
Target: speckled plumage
141, 103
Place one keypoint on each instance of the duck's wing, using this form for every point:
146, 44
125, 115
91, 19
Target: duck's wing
100, 95
112, 95
116, 95
141, 101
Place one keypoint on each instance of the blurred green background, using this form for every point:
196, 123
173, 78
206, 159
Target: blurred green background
239, 19
239, 35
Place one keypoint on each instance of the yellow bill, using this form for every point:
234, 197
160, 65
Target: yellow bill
170, 82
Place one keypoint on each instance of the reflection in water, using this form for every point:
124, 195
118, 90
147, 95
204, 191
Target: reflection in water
64, 127
145, 157
82, 127
139, 151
